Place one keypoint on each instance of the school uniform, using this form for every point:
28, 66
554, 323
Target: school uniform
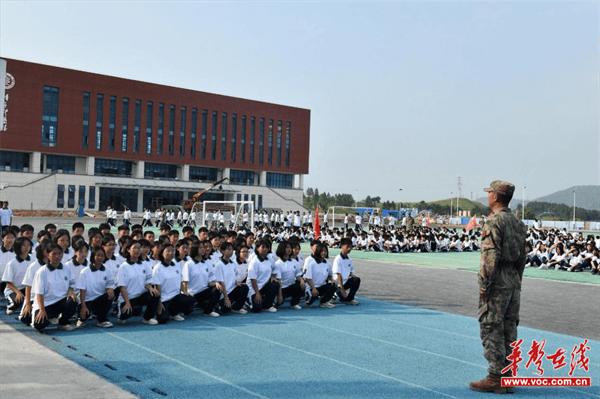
53, 284
95, 281
261, 270
288, 272
199, 276
225, 274
319, 271
134, 276
14, 273
67, 255
342, 265
75, 269
6, 255
28, 282
168, 277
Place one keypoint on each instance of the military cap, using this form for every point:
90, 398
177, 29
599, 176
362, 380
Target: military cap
501, 187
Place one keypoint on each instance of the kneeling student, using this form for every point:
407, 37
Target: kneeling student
343, 271
262, 288
96, 290
318, 275
198, 280
54, 296
234, 295
288, 272
14, 273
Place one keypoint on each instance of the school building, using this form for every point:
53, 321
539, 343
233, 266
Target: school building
71, 138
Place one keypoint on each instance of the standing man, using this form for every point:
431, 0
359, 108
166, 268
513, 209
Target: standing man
6, 215
500, 275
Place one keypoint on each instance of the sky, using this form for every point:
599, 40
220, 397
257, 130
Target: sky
403, 94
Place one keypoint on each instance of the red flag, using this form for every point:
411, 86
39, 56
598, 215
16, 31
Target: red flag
317, 225
472, 223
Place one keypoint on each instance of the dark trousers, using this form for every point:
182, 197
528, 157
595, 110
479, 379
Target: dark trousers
294, 292
268, 292
326, 292
237, 297
208, 299
65, 308
147, 300
180, 303
351, 286
100, 307
12, 305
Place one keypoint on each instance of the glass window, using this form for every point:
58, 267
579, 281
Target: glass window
71, 197
50, 116
243, 177
288, 141
224, 136
233, 136
118, 198
154, 199
261, 141
182, 125
253, 199
81, 199
149, 110
160, 170
260, 203
213, 148
112, 122
161, 127
14, 161
193, 132
125, 125
204, 134
270, 142
92, 200
203, 174
112, 167
252, 134
172, 130
137, 121
62, 163
243, 140
279, 134
86, 120
60, 196
280, 180
238, 197
99, 118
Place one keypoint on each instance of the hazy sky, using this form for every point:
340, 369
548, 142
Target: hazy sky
402, 94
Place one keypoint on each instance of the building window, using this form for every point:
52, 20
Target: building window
118, 198
243, 177
14, 161
288, 142
99, 118
253, 199
261, 141
198, 173
160, 171
233, 136
154, 199
112, 167
149, 108
243, 140
238, 197
213, 148
260, 203
204, 133
252, 135
92, 200
50, 116
86, 120
280, 180
161, 127
60, 163
71, 197
81, 198
224, 136
112, 122
182, 126
172, 130
60, 196
279, 134
137, 121
270, 142
125, 125
194, 132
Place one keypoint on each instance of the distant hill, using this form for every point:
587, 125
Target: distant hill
464, 204
587, 197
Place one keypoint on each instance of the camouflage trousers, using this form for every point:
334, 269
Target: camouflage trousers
498, 321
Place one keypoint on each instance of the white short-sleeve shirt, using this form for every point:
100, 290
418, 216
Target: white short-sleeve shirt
225, 273
343, 266
134, 277
198, 275
318, 272
95, 282
259, 270
52, 283
168, 277
14, 273
287, 272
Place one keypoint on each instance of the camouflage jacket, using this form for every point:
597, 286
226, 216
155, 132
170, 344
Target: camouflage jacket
502, 251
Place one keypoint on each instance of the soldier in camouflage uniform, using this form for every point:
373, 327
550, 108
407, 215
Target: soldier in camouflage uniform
501, 271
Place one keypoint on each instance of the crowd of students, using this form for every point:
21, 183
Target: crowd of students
65, 278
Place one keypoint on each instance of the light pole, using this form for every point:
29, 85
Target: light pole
451, 199
573, 209
523, 204
399, 204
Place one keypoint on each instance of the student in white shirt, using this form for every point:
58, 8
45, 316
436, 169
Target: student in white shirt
289, 274
198, 280
318, 276
167, 277
63, 238
134, 279
6, 254
96, 290
54, 296
14, 273
242, 253
262, 287
79, 260
41, 254
343, 271
234, 296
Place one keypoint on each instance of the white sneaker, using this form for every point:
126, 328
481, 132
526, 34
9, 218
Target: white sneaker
104, 324
297, 307
327, 305
212, 314
80, 323
241, 311
67, 327
272, 309
178, 317
543, 267
9, 311
152, 321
